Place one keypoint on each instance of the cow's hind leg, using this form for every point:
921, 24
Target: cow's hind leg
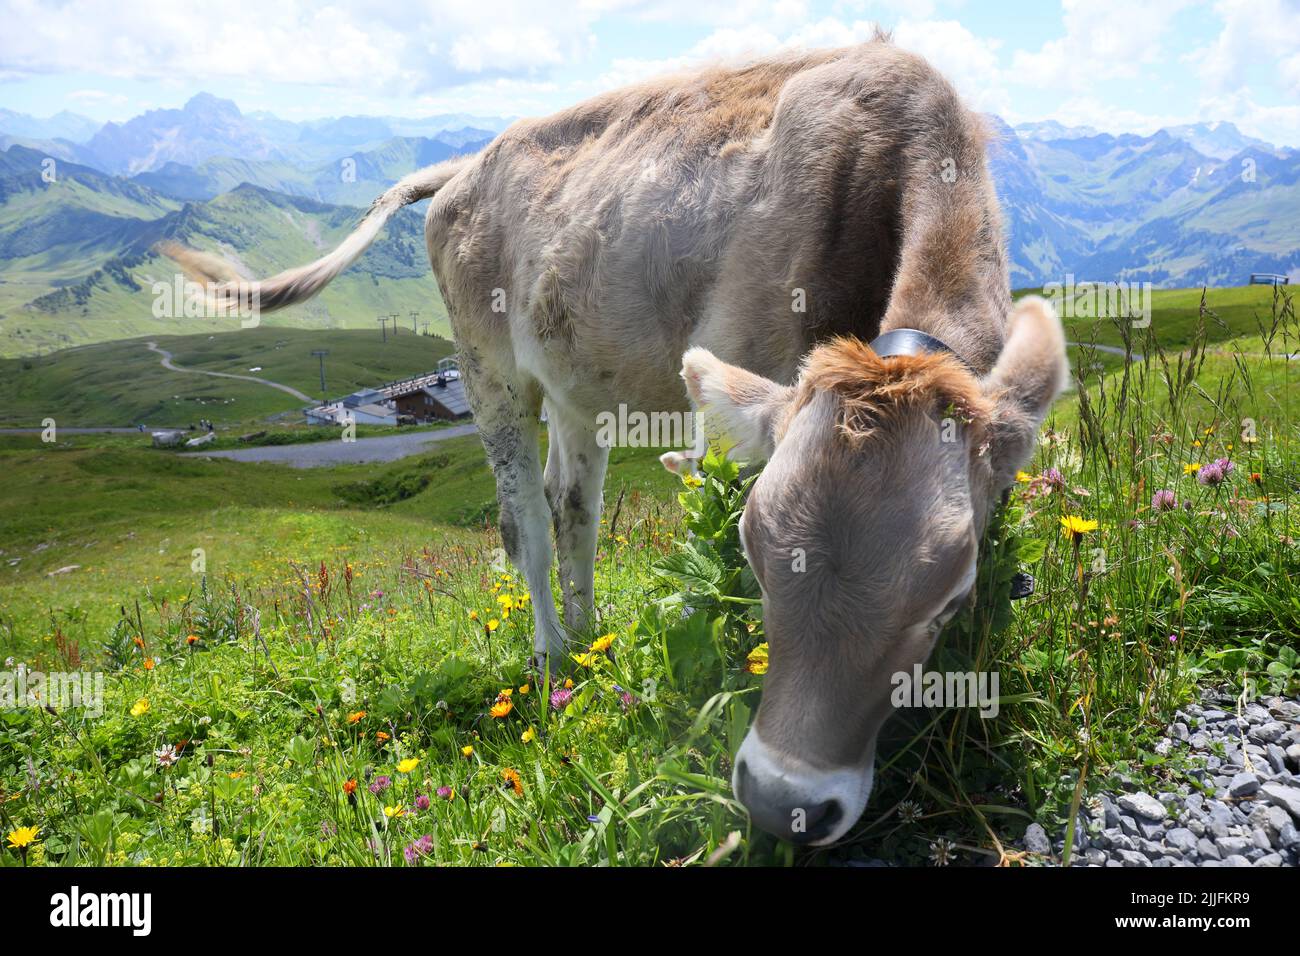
506, 407
575, 478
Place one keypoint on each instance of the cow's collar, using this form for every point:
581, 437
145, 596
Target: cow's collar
911, 342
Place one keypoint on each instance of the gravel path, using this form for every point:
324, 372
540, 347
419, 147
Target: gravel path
338, 452
168, 364
1245, 813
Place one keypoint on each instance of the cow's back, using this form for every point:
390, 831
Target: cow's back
751, 210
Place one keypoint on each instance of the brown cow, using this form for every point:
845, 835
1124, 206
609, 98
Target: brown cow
751, 226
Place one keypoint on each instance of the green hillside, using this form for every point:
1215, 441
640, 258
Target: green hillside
123, 383
77, 262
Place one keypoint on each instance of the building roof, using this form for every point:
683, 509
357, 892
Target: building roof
450, 396
362, 396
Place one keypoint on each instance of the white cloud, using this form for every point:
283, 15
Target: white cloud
1104, 39
377, 46
1254, 32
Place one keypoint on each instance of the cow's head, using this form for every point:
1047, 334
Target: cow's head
863, 532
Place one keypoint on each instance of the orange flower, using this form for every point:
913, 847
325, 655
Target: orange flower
511, 776
502, 707
355, 718
350, 787
138, 641
148, 663
192, 639
381, 736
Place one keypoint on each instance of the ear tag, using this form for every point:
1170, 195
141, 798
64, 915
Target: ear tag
1022, 585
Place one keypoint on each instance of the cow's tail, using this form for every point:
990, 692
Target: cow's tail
227, 288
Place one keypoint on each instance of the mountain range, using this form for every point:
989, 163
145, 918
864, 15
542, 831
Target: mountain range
1187, 205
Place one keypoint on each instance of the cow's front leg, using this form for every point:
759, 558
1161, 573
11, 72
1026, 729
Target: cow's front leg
506, 413
575, 479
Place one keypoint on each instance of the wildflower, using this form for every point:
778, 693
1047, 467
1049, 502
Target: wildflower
23, 837
502, 707
568, 683
138, 641
467, 751
422, 801
756, 660
424, 844
192, 640
166, 755
356, 717
1163, 500
602, 644
392, 812
506, 601
381, 736
942, 852
909, 811
473, 615
1173, 638
149, 663
1054, 479
409, 855
691, 480
446, 793
587, 659
528, 736
236, 775
1256, 478
1191, 468
560, 698
350, 787
1076, 527
511, 776
379, 785
627, 699
407, 765
140, 708
1216, 472
1024, 477
493, 624
525, 688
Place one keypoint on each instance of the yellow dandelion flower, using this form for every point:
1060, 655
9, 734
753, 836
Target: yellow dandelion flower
1077, 527
391, 812
467, 751
602, 644
407, 765
756, 660
528, 736
501, 708
23, 837
1192, 468
140, 708
493, 624
691, 480
1024, 477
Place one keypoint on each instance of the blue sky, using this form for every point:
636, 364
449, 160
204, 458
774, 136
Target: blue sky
1117, 65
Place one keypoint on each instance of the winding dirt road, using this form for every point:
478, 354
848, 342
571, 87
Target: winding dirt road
171, 366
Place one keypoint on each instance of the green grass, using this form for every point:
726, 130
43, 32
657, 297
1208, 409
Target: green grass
312, 610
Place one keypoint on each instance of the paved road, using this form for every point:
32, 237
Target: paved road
339, 452
167, 363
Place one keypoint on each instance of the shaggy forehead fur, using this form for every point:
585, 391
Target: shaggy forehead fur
872, 391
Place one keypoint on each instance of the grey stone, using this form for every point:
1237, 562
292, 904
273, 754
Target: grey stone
1207, 849
1180, 731
1268, 733
1143, 805
1269, 859
1286, 797
1150, 831
1231, 845
1293, 757
1244, 784
1288, 836
1132, 858
1110, 812
1237, 860
1182, 839
1260, 838
1036, 839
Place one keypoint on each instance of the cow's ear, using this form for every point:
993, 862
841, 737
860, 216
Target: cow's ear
1030, 373
741, 407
